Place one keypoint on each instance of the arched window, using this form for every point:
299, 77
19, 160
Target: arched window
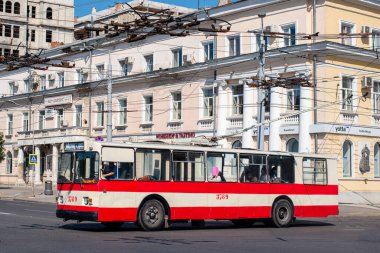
8, 7
237, 144
49, 13
1, 5
16, 8
347, 159
292, 146
9, 162
376, 160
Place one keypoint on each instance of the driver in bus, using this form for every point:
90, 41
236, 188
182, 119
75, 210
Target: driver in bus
110, 172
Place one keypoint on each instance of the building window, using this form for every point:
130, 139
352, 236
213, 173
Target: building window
49, 36
49, 13
234, 45
293, 99
27, 86
259, 41
292, 146
347, 159
346, 29
314, 171
289, 40
78, 115
124, 68
237, 144
16, 53
208, 49
101, 73
8, 7
10, 124
177, 57
16, 31
33, 11
1, 30
1, 5
7, 30
43, 82
237, 100
7, 52
376, 97
33, 35
122, 112
376, 160
208, 103
59, 118
61, 79
82, 76
9, 163
41, 120
25, 121
176, 106
375, 39
347, 93
16, 8
149, 62
100, 114
12, 88
148, 111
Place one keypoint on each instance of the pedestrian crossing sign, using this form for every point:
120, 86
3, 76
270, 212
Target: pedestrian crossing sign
33, 158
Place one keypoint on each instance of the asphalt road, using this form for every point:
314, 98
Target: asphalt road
32, 227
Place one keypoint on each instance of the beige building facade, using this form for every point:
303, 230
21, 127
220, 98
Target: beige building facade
200, 86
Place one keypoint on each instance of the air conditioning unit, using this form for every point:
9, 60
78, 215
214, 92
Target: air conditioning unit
367, 82
49, 113
365, 29
51, 77
129, 60
65, 123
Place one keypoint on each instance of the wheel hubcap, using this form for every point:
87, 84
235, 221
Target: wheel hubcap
283, 213
151, 215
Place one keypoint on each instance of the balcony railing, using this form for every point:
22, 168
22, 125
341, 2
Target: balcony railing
291, 120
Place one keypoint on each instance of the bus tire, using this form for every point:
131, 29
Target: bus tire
243, 223
282, 213
152, 215
112, 225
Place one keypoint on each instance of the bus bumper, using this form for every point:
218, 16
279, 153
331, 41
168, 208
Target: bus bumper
75, 215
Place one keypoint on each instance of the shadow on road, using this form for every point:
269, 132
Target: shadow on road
210, 225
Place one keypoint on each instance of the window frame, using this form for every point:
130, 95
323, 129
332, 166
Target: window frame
99, 113
314, 173
237, 100
123, 109
176, 106
177, 60
235, 49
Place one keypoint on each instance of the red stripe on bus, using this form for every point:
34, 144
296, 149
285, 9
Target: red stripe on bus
202, 187
201, 213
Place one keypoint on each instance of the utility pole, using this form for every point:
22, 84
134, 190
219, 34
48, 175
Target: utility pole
109, 102
260, 91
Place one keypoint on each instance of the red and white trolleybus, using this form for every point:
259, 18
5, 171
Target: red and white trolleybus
155, 185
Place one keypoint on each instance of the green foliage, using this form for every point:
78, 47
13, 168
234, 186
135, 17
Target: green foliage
2, 153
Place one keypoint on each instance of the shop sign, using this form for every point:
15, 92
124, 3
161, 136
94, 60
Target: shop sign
74, 146
60, 100
176, 135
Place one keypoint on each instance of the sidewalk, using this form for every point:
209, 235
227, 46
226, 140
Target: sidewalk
25, 193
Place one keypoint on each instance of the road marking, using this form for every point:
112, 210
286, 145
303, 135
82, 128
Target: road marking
39, 211
7, 213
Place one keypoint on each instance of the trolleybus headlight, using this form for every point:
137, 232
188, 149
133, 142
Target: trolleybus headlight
85, 200
90, 201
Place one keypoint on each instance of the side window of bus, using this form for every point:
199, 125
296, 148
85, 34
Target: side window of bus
222, 167
314, 171
117, 170
253, 168
152, 165
281, 169
188, 166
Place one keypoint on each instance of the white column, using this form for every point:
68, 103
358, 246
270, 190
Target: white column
275, 113
20, 166
37, 167
54, 164
248, 112
305, 120
222, 112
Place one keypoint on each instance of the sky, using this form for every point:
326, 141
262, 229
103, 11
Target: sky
83, 7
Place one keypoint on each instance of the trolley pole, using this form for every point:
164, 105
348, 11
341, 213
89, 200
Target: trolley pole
109, 102
260, 91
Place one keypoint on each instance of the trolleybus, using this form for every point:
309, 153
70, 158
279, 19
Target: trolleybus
155, 185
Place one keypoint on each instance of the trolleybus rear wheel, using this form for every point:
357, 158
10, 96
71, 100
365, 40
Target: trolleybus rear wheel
152, 215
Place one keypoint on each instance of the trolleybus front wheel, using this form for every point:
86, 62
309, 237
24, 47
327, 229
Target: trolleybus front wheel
282, 213
152, 215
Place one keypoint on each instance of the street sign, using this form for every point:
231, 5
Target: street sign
33, 159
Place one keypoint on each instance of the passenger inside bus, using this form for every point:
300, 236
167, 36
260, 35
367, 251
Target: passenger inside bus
217, 176
264, 176
110, 171
117, 171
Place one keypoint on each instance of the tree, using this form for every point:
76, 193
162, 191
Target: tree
2, 153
